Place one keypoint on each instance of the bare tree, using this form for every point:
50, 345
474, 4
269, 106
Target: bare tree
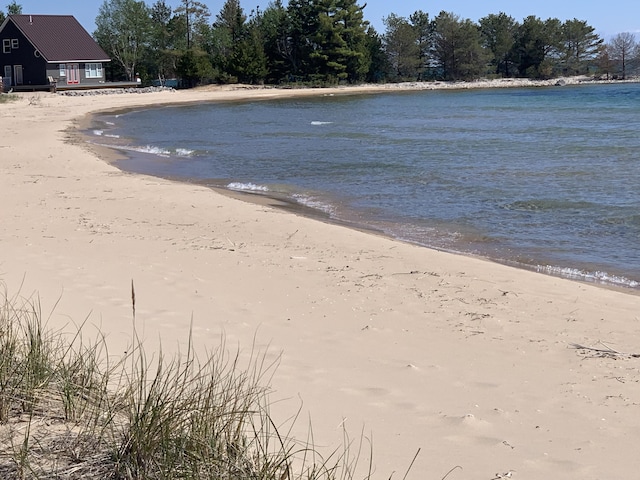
622, 49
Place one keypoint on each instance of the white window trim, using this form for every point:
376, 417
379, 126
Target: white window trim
6, 45
63, 69
93, 70
14, 44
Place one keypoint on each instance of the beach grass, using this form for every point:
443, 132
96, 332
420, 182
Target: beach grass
8, 98
70, 410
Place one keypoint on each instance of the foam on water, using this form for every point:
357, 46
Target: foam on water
594, 277
184, 152
321, 123
148, 149
247, 187
314, 203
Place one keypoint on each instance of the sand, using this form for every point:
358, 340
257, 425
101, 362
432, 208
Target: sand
469, 361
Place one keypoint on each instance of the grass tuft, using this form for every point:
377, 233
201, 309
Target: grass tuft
68, 411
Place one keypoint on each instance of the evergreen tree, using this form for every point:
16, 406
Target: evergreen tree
303, 25
423, 29
229, 31
457, 47
196, 18
401, 47
580, 45
250, 59
340, 42
379, 67
498, 34
274, 27
538, 46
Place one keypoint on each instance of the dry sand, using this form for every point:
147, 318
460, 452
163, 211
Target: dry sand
470, 361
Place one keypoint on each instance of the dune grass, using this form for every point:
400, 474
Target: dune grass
68, 410
6, 98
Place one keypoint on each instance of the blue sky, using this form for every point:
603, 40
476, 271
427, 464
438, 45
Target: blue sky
608, 17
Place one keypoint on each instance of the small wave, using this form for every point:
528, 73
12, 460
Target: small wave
321, 123
184, 152
596, 277
110, 123
100, 133
150, 149
314, 203
247, 187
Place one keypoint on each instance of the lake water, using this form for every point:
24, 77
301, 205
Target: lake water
545, 178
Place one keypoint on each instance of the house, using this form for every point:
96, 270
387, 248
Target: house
41, 51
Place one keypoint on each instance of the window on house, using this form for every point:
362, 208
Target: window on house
14, 43
63, 70
6, 45
93, 70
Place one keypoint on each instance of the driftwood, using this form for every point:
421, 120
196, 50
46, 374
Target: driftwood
606, 351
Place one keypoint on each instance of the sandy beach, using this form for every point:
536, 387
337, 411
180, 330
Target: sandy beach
472, 362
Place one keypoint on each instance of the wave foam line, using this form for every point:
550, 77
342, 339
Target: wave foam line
598, 277
314, 203
247, 187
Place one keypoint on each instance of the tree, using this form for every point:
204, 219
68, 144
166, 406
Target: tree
251, 59
604, 61
123, 30
400, 43
228, 35
162, 49
274, 27
423, 29
537, 45
14, 8
580, 45
379, 67
498, 35
457, 47
339, 51
623, 49
195, 16
303, 24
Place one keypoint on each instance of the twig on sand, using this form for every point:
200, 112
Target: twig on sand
607, 351
450, 471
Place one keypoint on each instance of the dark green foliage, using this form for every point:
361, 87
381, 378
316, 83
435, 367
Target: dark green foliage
324, 42
580, 45
457, 47
14, 8
498, 35
402, 48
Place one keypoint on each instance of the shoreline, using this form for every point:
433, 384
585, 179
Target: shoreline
468, 360
601, 278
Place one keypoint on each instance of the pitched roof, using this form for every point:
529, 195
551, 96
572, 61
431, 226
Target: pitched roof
59, 38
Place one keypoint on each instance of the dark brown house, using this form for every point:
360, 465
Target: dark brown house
38, 50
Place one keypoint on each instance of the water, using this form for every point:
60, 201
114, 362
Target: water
544, 178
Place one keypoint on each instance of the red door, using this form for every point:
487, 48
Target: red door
73, 74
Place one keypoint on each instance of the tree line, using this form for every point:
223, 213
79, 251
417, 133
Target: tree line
324, 42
